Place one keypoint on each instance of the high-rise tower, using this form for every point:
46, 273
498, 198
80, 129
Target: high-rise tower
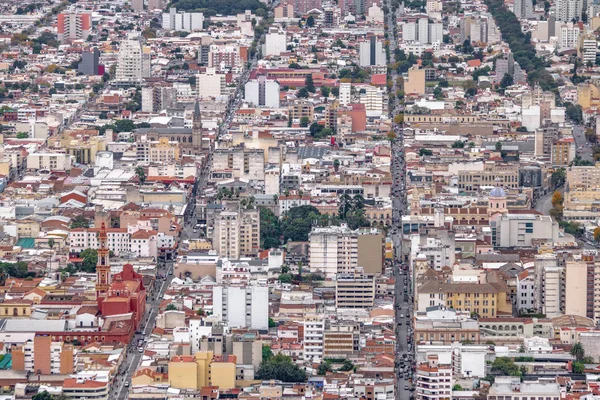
197, 128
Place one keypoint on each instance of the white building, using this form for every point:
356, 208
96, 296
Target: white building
133, 62
345, 93
291, 201
262, 92
314, 328
275, 42
525, 292
333, 250
242, 306
182, 21
568, 10
465, 360
530, 118
433, 380
569, 36
211, 84
436, 32
371, 53
523, 230
589, 50
523, 8
49, 161
373, 99
512, 387
552, 290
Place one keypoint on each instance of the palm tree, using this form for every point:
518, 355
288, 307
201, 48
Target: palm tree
141, 174
578, 352
51, 243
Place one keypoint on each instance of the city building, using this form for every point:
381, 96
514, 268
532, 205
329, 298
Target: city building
371, 52
433, 380
354, 291
568, 10
89, 64
242, 306
133, 62
73, 26
523, 8
275, 42
182, 21
262, 92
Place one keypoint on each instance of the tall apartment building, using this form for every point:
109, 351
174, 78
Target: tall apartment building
237, 233
242, 306
72, 26
523, 8
262, 92
275, 42
90, 60
433, 380
338, 250
354, 291
158, 98
301, 109
415, 82
373, 100
244, 163
371, 53
182, 21
133, 62
285, 10
211, 84
568, 10
314, 329
204, 50
137, 5
588, 49
569, 35
553, 297
43, 356
341, 339
345, 97
576, 288
161, 151
301, 7
225, 57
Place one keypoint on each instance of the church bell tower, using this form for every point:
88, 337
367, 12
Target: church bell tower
103, 278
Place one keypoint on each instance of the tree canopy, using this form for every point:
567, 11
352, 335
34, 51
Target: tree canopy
280, 368
225, 7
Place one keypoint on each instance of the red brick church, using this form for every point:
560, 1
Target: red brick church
122, 293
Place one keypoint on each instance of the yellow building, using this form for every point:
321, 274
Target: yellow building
222, 372
15, 308
83, 145
191, 372
415, 83
588, 95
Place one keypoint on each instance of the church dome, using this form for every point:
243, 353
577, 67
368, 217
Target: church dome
497, 192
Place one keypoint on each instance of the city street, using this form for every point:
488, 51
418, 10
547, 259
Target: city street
403, 283
584, 149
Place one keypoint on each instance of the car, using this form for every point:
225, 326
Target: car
405, 387
126, 384
141, 350
170, 272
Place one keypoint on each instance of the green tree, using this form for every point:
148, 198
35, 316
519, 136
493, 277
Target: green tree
280, 368
346, 366
459, 144
310, 21
574, 113
309, 83
505, 366
325, 91
558, 177
298, 221
22, 135
457, 387
90, 260
304, 121
272, 323
51, 243
270, 229
324, 368
498, 146
425, 152
285, 278
303, 93
507, 80
80, 222
140, 173
171, 307
267, 353
578, 367
124, 125
42, 396
578, 351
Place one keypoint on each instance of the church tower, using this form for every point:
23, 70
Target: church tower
197, 129
103, 278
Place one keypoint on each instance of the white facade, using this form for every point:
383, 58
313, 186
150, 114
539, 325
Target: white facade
589, 50
49, 161
466, 360
521, 230
409, 32
262, 92
196, 332
182, 21
314, 327
81, 239
211, 84
373, 99
525, 293
567, 10
275, 43
523, 8
133, 63
333, 250
371, 53
569, 36
423, 30
242, 306
531, 117
345, 93
436, 32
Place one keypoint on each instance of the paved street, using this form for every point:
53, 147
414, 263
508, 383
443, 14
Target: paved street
584, 149
403, 283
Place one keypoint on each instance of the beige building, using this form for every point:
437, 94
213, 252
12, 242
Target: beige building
341, 340
49, 161
243, 162
415, 83
354, 291
301, 109
576, 288
157, 151
472, 180
237, 233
